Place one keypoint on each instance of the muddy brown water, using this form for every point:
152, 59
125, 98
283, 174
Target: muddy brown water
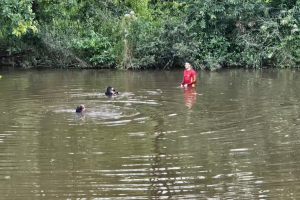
234, 136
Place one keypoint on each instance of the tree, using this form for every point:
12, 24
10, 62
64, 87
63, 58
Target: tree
18, 16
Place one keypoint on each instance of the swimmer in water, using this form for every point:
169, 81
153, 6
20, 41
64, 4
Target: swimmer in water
80, 109
110, 91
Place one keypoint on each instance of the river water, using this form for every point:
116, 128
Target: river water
234, 136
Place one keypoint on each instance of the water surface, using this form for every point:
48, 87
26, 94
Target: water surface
234, 136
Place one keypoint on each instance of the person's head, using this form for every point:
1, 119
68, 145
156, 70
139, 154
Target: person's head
80, 108
110, 91
187, 65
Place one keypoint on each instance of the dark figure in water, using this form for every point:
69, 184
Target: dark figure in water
110, 91
80, 109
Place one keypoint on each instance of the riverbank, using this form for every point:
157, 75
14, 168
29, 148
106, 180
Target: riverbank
21, 60
14, 59
17, 60
25, 60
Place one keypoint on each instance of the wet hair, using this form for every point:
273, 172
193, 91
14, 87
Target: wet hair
79, 108
187, 61
109, 88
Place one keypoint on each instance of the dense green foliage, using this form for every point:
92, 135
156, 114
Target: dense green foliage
152, 33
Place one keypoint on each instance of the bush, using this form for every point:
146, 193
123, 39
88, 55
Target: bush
94, 48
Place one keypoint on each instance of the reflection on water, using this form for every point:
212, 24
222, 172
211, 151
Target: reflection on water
234, 136
190, 96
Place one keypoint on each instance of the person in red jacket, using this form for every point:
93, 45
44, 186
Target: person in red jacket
189, 76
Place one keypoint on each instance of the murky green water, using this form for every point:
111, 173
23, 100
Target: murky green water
236, 136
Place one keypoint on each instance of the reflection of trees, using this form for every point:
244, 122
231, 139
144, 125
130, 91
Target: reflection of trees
163, 180
160, 180
258, 108
241, 138
250, 118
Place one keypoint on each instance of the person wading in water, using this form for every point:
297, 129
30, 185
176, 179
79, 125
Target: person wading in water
189, 76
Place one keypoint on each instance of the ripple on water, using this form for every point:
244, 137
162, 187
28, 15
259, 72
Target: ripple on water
116, 111
232, 142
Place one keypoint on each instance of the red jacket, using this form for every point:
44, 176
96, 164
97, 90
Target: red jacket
189, 78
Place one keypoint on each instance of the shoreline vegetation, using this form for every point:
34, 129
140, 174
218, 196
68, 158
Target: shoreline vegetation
147, 34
